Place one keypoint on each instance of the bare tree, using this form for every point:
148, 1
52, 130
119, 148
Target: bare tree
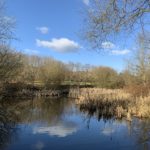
31, 68
105, 77
108, 17
52, 72
9, 60
10, 64
6, 25
142, 58
138, 67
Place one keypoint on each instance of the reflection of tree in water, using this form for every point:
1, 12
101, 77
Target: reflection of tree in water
42, 110
29, 111
50, 111
101, 111
98, 110
141, 130
7, 126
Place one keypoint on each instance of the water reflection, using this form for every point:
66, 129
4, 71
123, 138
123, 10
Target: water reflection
99, 110
61, 124
39, 110
39, 145
141, 130
7, 126
60, 129
107, 131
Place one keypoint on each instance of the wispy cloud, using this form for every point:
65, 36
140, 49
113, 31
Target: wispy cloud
43, 30
108, 45
112, 49
120, 52
60, 45
86, 2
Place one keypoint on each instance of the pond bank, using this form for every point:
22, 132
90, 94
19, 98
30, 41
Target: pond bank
25, 93
118, 102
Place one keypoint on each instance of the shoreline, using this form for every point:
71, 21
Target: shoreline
118, 102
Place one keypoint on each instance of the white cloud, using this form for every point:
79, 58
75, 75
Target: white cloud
31, 51
43, 30
59, 45
86, 2
112, 49
120, 52
108, 45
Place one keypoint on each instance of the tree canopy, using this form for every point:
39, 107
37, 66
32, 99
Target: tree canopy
108, 17
6, 25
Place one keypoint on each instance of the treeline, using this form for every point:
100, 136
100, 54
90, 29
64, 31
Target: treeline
16, 67
46, 72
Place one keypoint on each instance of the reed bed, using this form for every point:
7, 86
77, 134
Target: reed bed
112, 102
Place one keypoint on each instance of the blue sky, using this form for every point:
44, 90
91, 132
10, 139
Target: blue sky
52, 27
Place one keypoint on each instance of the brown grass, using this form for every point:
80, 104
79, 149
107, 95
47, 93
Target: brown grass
117, 102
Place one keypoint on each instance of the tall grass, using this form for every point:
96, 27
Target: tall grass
115, 102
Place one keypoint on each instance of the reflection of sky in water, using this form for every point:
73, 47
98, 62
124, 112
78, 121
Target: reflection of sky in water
61, 126
39, 145
111, 128
107, 131
60, 129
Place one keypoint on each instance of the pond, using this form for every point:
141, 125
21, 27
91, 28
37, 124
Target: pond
60, 124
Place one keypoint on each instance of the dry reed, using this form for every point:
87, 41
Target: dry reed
120, 103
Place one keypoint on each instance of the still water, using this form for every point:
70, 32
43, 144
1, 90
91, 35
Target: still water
60, 124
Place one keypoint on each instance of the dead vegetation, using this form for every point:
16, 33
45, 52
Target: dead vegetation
113, 103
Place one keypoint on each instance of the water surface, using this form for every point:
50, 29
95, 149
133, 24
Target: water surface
59, 124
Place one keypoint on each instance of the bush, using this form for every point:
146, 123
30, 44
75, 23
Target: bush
137, 90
